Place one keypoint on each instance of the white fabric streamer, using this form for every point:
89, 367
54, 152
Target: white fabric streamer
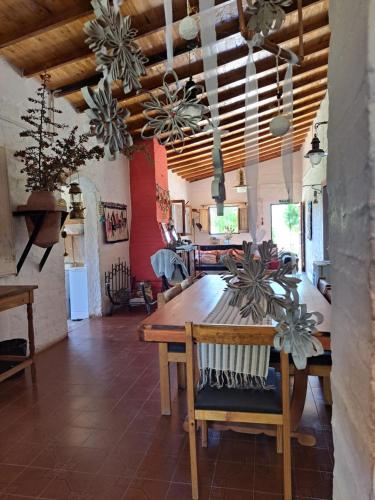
168, 33
252, 155
287, 142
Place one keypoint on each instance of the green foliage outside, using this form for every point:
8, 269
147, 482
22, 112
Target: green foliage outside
291, 218
219, 225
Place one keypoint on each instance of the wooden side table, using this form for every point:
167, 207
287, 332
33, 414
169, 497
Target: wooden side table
14, 296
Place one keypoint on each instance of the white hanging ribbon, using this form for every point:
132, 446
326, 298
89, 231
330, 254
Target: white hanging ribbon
252, 154
168, 33
287, 142
209, 52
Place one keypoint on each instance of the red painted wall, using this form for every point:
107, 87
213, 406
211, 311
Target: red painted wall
147, 168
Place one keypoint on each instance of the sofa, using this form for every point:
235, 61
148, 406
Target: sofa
208, 257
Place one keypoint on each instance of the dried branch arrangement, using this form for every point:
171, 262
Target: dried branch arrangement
50, 159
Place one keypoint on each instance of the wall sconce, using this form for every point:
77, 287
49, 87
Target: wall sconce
241, 187
316, 154
317, 188
77, 209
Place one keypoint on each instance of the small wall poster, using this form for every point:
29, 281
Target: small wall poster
7, 250
116, 222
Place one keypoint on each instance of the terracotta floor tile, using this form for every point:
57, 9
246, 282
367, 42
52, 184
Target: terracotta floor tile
233, 475
68, 485
156, 467
8, 473
183, 492
97, 434
31, 482
314, 484
144, 489
230, 494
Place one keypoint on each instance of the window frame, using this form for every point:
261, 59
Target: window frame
225, 206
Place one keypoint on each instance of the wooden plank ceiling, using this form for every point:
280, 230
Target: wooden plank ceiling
46, 35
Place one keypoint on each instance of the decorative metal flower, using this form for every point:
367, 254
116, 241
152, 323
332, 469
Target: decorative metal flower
266, 15
177, 110
111, 37
295, 334
107, 119
252, 280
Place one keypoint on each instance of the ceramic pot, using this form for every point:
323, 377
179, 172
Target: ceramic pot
49, 233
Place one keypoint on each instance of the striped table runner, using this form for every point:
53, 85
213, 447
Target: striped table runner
238, 367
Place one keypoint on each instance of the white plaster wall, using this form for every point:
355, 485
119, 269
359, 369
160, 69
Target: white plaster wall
179, 189
351, 168
111, 180
271, 190
315, 175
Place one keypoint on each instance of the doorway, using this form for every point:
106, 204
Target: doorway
286, 227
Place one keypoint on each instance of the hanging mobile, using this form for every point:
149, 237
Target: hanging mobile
280, 124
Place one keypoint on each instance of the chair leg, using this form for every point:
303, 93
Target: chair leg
279, 438
204, 433
165, 393
327, 390
287, 460
193, 460
181, 375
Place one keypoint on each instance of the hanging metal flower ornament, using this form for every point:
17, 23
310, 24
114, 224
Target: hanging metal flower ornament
266, 15
174, 112
252, 282
111, 37
295, 334
107, 119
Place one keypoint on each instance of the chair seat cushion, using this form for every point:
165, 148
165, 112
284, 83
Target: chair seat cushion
323, 360
242, 400
176, 347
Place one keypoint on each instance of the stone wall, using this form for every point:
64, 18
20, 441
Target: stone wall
111, 183
314, 249
351, 138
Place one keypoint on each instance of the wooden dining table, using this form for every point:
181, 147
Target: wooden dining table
167, 324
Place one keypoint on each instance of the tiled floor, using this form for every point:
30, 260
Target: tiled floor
91, 430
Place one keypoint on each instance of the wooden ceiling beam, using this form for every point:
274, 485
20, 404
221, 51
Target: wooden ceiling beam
238, 125
288, 37
144, 30
228, 112
252, 137
233, 136
50, 22
311, 67
241, 159
243, 149
241, 164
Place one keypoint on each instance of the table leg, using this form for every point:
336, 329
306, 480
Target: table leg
298, 400
30, 330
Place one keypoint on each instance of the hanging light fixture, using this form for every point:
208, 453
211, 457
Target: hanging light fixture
188, 27
316, 154
241, 187
280, 124
77, 209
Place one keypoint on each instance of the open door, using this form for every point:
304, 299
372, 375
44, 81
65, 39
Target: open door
286, 227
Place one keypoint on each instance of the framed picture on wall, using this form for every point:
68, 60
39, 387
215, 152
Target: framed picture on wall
309, 221
115, 222
7, 248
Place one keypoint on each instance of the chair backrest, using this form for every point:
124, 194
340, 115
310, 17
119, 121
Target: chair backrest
233, 335
168, 295
187, 282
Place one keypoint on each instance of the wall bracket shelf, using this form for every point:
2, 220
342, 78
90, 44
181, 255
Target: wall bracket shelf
38, 217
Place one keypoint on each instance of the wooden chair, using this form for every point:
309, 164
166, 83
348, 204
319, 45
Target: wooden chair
170, 353
270, 407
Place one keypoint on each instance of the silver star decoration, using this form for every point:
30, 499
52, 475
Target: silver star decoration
111, 37
107, 119
295, 334
251, 283
171, 115
266, 15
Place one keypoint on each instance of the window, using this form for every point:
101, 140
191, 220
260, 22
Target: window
229, 221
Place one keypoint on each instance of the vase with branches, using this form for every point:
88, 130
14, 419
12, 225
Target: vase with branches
49, 160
